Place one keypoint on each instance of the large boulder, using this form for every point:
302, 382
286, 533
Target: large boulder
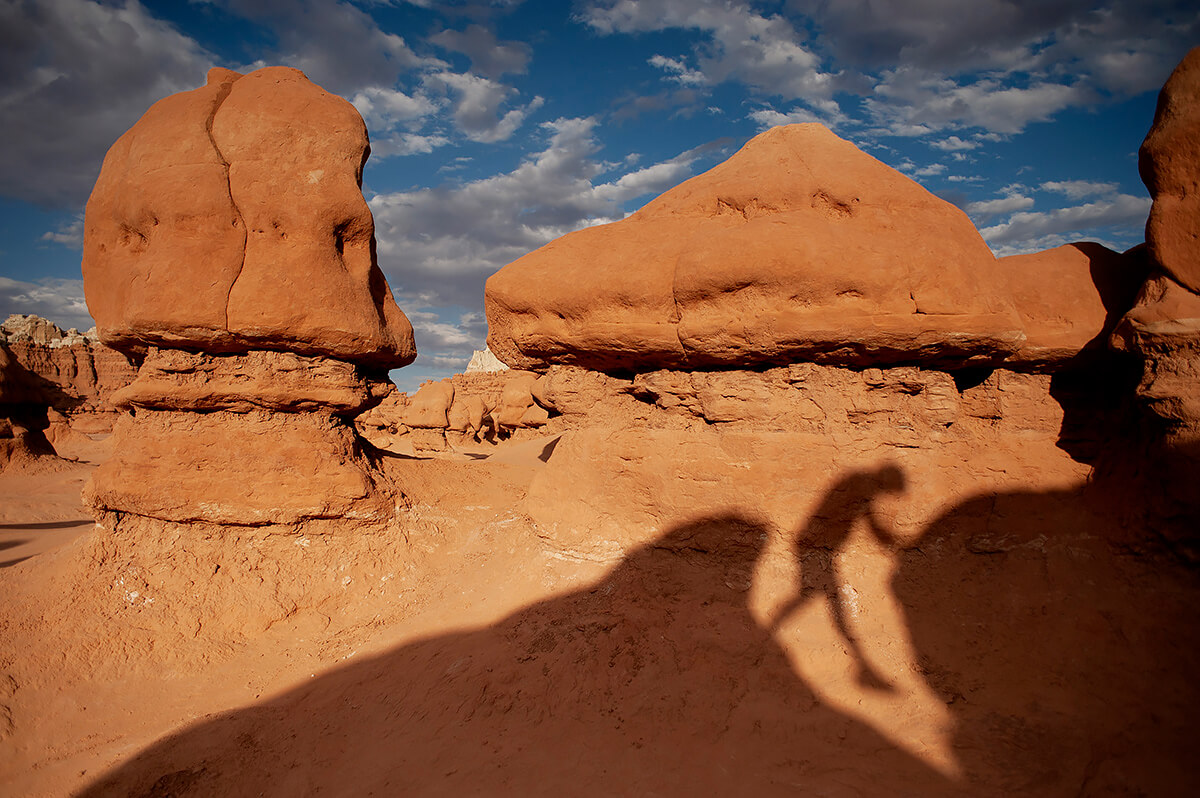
1169, 162
799, 247
1070, 299
231, 218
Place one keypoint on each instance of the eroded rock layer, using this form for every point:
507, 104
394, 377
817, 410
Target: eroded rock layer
228, 243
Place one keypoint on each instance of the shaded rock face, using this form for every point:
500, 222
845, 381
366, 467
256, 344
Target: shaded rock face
1070, 299
1163, 327
799, 247
1169, 162
78, 373
24, 400
227, 242
230, 218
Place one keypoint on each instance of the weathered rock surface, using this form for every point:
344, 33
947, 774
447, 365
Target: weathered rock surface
239, 469
230, 218
1070, 299
84, 373
429, 406
24, 400
227, 241
799, 247
1169, 162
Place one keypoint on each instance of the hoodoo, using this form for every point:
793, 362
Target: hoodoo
229, 248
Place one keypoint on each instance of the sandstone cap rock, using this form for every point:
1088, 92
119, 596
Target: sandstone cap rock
799, 247
1169, 162
231, 218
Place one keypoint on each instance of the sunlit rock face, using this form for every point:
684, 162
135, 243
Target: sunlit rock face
231, 218
799, 247
228, 245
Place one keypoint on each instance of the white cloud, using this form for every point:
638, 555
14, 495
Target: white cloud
930, 170
61, 301
382, 108
678, 71
954, 144
906, 98
68, 234
761, 51
407, 144
986, 209
58, 108
438, 245
1078, 189
477, 108
1123, 210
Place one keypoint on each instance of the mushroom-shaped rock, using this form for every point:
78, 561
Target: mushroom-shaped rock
799, 247
1169, 162
227, 241
230, 218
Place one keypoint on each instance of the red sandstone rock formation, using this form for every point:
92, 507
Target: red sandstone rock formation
84, 373
230, 218
1069, 299
1169, 162
1163, 328
227, 239
799, 247
24, 399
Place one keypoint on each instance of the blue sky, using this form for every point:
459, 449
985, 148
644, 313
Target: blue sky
498, 126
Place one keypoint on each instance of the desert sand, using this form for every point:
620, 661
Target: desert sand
766, 520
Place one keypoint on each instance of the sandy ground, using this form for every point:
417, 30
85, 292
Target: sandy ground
490, 663
42, 511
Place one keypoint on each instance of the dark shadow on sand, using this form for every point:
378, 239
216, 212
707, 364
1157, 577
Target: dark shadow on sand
656, 680
1065, 658
50, 525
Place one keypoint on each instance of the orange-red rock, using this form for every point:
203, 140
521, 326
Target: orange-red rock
1169, 162
1069, 299
230, 218
79, 373
429, 406
799, 247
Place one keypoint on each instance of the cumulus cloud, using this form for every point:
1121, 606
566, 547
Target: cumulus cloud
907, 98
407, 144
1120, 45
338, 45
383, 108
824, 113
61, 301
489, 57
1122, 211
765, 52
438, 245
678, 71
953, 144
477, 109
68, 234
58, 63
1078, 189
986, 209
